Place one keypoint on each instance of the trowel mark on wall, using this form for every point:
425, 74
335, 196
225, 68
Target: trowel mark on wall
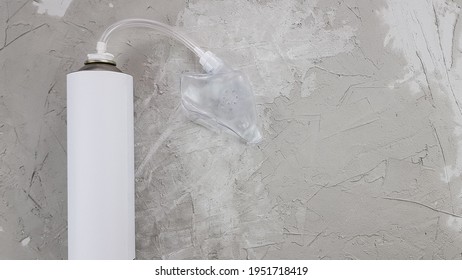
434, 66
52, 7
25, 241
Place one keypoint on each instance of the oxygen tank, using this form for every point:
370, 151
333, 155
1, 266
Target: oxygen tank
100, 162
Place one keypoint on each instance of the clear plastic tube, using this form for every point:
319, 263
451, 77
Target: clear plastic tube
158, 26
222, 97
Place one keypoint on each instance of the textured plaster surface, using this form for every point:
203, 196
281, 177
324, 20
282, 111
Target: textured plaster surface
359, 102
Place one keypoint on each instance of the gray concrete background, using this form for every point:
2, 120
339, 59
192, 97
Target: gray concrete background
359, 103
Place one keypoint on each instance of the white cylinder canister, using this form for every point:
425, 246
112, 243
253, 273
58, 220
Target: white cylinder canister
100, 158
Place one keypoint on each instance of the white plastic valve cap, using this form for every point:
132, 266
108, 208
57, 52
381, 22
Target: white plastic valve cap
100, 56
101, 47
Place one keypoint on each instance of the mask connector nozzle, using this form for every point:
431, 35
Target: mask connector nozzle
211, 63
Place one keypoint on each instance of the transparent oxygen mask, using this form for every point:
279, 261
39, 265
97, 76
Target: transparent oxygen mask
222, 99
